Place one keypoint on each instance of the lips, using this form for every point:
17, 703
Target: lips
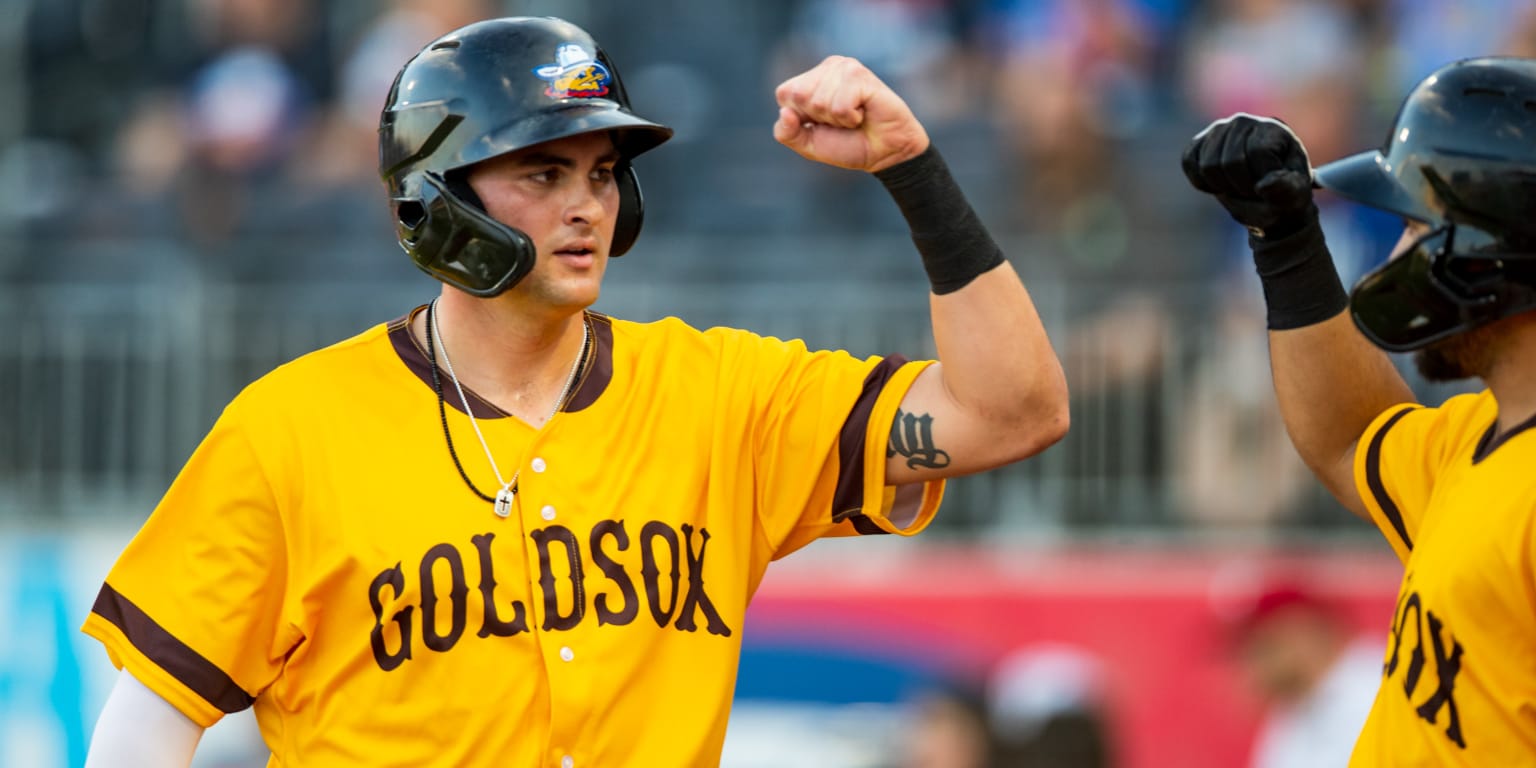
577, 249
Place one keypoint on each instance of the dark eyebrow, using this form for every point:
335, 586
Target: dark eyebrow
560, 161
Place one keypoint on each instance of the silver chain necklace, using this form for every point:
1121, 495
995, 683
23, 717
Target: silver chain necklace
508, 492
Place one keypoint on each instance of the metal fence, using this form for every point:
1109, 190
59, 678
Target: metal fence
106, 385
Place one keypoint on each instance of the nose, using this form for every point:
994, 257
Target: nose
584, 206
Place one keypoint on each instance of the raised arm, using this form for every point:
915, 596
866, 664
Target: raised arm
997, 394
1330, 381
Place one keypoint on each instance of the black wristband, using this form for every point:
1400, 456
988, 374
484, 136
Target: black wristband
1301, 286
953, 242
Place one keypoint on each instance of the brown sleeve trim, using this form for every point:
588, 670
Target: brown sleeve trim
161, 647
1378, 488
848, 499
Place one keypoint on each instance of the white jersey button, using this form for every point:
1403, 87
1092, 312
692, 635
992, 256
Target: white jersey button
548, 512
567, 762
567, 654
537, 464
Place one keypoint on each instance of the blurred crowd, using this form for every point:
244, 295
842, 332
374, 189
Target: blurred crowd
210, 120
1288, 645
1039, 706
243, 132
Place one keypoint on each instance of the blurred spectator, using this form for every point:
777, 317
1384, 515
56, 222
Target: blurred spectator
1047, 708
1296, 59
1116, 350
294, 31
1315, 676
202, 158
243, 115
247, 108
1426, 34
948, 730
1521, 40
242, 152
1236, 466
74, 69
244, 111
83, 63
1072, 77
190, 162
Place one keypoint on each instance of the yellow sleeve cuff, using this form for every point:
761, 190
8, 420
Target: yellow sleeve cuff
903, 510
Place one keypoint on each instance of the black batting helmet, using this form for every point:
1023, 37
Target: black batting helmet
1461, 158
481, 91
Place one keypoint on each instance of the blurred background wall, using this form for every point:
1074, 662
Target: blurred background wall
188, 198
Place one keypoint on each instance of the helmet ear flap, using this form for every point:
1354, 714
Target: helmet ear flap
456, 242
631, 209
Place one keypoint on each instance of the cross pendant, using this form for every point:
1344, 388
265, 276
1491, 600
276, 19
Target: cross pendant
504, 502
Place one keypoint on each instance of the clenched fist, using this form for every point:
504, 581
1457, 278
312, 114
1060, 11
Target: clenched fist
1257, 169
841, 114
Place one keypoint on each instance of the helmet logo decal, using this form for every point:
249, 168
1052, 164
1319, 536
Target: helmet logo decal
576, 74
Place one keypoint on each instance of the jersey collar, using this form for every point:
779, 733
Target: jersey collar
596, 371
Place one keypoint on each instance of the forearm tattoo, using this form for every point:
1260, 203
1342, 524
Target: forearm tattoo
912, 437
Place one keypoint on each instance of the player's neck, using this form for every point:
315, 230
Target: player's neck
519, 361
1512, 378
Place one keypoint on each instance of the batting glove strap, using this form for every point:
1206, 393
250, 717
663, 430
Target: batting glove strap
1301, 285
954, 244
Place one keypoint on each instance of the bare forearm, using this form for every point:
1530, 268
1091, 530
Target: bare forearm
1331, 382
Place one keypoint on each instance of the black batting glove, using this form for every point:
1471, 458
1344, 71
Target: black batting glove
1258, 170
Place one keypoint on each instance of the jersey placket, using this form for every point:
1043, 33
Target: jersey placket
556, 572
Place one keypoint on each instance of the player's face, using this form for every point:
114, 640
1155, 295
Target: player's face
1284, 655
562, 195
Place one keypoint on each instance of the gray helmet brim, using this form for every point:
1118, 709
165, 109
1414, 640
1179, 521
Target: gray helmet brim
1368, 178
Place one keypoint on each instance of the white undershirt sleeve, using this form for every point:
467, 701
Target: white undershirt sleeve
139, 729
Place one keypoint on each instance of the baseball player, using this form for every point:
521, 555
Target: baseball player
1450, 487
506, 530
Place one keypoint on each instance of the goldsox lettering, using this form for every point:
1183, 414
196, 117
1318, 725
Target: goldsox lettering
659, 544
1447, 665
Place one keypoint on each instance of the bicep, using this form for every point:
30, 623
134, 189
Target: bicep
933, 437
139, 729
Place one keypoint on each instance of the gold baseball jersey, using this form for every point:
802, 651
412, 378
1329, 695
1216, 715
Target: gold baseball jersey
1458, 504
320, 558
